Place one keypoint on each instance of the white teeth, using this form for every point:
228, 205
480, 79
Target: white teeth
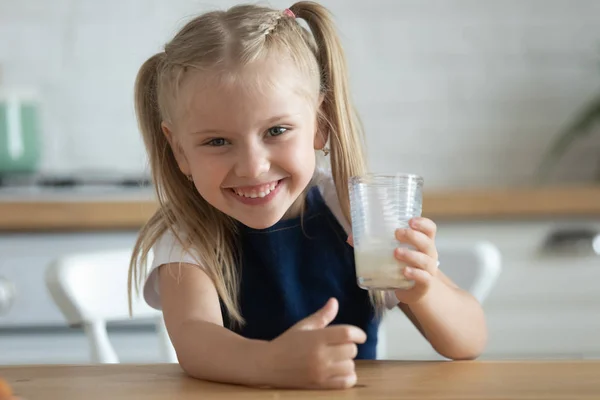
253, 194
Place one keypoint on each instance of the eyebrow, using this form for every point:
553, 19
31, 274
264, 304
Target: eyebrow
265, 122
208, 131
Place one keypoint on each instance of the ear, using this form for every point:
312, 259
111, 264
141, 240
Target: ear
321, 136
184, 166
321, 131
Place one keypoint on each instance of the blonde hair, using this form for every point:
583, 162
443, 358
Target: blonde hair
228, 40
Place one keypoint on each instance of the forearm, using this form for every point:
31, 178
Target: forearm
212, 352
452, 321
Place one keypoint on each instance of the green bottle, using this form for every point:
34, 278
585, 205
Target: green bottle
19, 134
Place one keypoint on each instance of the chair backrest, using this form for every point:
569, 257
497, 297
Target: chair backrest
473, 266
93, 286
90, 289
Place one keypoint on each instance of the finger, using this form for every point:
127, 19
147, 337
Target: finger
321, 318
418, 240
425, 225
416, 259
341, 382
342, 368
340, 334
350, 240
421, 277
346, 351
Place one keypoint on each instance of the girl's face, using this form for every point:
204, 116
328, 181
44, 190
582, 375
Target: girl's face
249, 142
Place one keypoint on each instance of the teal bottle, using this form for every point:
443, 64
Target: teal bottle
19, 135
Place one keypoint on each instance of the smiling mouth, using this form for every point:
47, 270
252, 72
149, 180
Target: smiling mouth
254, 192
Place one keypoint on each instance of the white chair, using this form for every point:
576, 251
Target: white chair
90, 289
473, 266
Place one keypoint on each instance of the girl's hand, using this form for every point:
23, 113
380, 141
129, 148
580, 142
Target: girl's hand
422, 261
313, 355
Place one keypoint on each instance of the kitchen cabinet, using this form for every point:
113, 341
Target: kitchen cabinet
32, 329
546, 303
65, 345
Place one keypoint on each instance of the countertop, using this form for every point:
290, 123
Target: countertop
573, 380
130, 209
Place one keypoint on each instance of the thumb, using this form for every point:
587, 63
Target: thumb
350, 240
321, 318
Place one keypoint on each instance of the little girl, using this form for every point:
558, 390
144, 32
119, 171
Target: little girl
252, 262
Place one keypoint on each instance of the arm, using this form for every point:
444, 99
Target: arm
450, 319
205, 349
310, 354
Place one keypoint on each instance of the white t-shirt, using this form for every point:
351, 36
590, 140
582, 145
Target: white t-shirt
167, 249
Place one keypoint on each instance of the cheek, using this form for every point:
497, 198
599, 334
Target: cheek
208, 171
208, 185
204, 162
302, 152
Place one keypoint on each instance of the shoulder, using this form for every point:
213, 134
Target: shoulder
169, 248
324, 181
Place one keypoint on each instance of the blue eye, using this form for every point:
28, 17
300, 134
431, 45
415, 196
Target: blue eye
276, 130
217, 142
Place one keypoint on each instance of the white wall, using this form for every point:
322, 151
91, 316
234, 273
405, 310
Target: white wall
447, 88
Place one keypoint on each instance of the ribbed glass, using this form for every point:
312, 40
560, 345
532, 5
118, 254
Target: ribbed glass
380, 204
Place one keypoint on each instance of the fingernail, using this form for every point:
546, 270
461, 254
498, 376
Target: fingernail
408, 270
414, 222
400, 250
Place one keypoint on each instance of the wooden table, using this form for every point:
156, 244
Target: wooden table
571, 380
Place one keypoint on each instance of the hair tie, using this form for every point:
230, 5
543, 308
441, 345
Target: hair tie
289, 13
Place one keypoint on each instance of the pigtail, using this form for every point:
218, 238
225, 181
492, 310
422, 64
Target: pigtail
146, 104
345, 131
150, 119
149, 122
338, 113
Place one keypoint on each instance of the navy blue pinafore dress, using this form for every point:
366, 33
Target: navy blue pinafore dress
290, 270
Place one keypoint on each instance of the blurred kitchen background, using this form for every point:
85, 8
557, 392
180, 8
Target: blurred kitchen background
470, 94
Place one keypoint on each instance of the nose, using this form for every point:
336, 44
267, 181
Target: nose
252, 162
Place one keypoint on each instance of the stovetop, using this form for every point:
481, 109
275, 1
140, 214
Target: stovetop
75, 187
72, 181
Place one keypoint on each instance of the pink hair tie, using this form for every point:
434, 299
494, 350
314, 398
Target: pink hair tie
289, 13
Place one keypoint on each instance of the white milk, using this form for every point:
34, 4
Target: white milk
377, 268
